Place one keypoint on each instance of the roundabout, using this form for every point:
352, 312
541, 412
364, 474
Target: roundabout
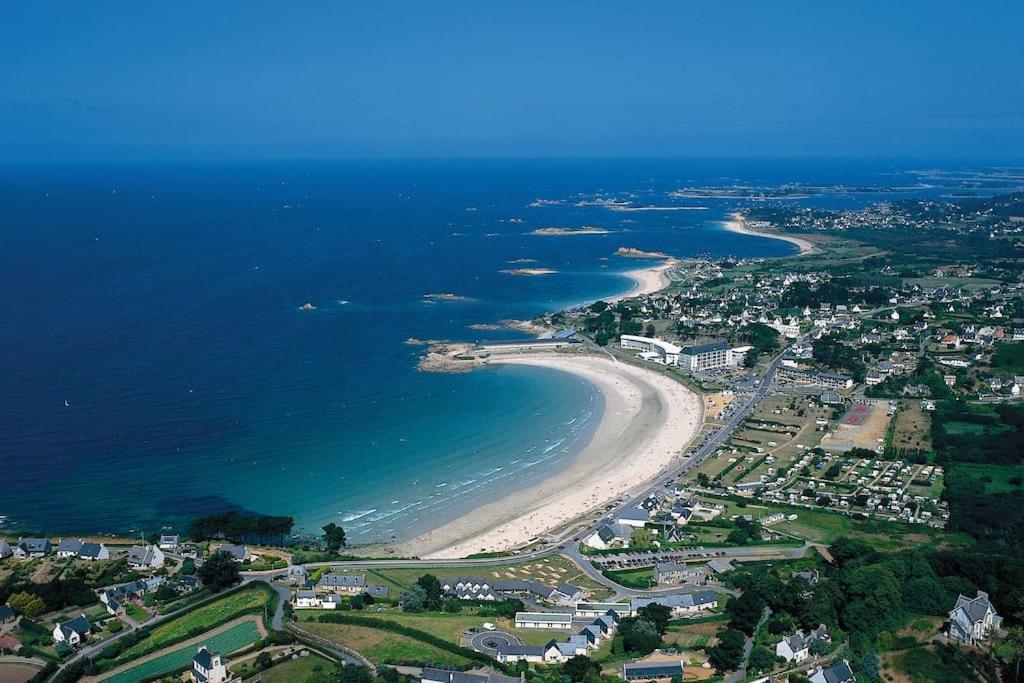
488, 642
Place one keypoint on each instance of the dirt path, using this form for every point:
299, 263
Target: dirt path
197, 640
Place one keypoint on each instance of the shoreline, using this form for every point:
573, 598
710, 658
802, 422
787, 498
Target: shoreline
737, 223
647, 280
648, 421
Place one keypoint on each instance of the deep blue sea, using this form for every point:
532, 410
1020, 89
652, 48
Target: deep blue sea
156, 364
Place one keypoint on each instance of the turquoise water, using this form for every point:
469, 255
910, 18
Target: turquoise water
157, 365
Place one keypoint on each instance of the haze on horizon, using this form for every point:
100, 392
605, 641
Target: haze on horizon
119, 81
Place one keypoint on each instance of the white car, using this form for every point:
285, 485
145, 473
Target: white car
488, 626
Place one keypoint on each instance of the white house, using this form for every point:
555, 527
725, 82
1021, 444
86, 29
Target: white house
5, 550
169, 542
69, 547
145, 557
29, 548
73, 632
797, 647
208, 667
840, 672
973, 620
307, 599
92, 552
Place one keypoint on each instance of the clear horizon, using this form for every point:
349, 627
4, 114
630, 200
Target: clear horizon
929, 81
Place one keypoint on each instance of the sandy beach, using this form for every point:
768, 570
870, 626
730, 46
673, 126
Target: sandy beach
648, 420
647, 280
737, 223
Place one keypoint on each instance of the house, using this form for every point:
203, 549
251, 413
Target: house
92, 552
432, 675
566, 595
592, 610
238, 552
208, 667
7, 615
652, 671
169, 542
608, 534
510, 654
73, 632
670, 572
556, 621
634, 517
69, 547
840, 672
5, 550
353, 584
797, 647
307, 599
32, 547
189, 582
145, 557
718, 566
973, 620
808, 575
680, 605
116, 597
297, 574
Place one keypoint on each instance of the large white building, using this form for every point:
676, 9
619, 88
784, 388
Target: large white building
706, 356
650, 349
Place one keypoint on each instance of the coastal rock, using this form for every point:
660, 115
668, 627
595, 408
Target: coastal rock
446, 296
559, 232
449, 357
631, 252
307, 307
529, 271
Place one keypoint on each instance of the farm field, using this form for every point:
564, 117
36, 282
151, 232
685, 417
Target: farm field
226, 642
383, 647
996, 478
207, 616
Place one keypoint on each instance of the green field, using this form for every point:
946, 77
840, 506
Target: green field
384, 647
217, 612
233, 639
957, 428
1009, 358
997, 477
135, 612
633, 578
297, 670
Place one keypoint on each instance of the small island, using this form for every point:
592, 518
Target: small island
446, 296
562, 232
631, 252
529, 271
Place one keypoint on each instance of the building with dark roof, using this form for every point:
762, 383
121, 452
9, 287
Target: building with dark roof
651, 671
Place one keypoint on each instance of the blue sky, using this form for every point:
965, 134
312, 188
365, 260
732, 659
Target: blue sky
250, 79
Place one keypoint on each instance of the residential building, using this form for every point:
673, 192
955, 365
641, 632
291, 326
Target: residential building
557, 621
973, 620
169, 542
840, 672
634, 517
73, 632
307, 599
652, 671
797, 647
5, 550
670, 572
591, 610
680, 605
7, 615
209, 667
432, 675
28, 548
238, 552
92, 552
68, 547
145, 557
352, 584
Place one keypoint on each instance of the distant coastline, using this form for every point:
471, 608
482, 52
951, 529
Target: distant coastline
737, 223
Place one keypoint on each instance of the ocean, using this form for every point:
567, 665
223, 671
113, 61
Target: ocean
158, 364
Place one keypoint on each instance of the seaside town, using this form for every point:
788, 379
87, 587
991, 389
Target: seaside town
838, 499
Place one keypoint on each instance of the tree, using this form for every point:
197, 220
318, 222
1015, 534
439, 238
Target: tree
579, 666
639, 636
818, 647
334, 536
220, 571
658, 615
649, 330
745, 611
641, 539
727, 655
356, 602
27, 604
414, 599
432, 588
761, 660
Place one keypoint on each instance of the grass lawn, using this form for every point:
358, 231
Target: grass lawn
297, 670
825, 527
634, 578
384, 647
135, 612
207, 616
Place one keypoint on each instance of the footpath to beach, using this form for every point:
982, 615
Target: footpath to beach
648, 420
